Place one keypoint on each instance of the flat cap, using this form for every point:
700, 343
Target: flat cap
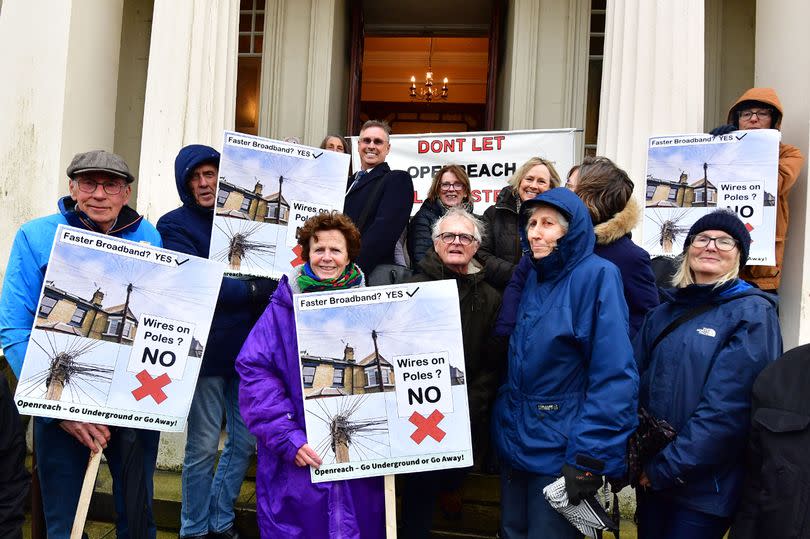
100, 161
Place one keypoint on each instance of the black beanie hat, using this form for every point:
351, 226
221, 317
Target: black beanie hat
728, 222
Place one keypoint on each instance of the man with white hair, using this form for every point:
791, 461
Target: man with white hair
456, 238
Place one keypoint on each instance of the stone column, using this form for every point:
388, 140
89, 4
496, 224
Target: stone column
544, 79
190, 91
304, 69
783, 62
652, 82
60, 72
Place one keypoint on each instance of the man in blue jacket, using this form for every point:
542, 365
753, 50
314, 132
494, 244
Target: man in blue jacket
100, 187
208, 499
378, 200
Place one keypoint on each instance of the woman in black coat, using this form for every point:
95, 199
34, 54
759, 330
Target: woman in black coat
450, 188
501, 248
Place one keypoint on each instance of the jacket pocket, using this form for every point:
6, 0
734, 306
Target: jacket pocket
785, 485
548, 419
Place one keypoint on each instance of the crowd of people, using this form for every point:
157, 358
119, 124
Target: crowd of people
578, 362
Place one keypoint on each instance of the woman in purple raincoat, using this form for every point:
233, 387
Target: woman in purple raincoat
270, 397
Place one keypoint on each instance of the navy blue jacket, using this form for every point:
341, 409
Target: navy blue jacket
613, 243
188, 230
699, 379
572, 385
387, 220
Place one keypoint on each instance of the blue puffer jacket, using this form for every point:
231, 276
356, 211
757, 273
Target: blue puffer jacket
28, 261
572, 385
699, 379
188, 230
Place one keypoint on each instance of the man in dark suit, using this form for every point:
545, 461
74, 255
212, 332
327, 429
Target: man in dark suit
378, 199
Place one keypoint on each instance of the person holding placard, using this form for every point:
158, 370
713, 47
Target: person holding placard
569, 402
208, 496
271, 400
502, 247
698, 355
100, 187
760, 108
450, 189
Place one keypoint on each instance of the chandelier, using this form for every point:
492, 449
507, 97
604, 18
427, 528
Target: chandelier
428, 92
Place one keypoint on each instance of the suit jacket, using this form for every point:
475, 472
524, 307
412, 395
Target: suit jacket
386, 222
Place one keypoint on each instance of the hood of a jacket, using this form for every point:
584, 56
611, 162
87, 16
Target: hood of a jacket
127, 220
432, 266
696, 294
507, 200
763, 95
620, 225
189, 158
576, 244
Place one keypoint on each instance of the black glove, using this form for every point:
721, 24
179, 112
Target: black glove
579, 483
260, 291
723, 130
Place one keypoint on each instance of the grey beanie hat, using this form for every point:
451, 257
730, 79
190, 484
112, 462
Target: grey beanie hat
101, 161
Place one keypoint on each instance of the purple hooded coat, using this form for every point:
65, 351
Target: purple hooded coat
270, 398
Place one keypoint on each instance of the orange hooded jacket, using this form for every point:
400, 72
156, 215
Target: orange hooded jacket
790, 163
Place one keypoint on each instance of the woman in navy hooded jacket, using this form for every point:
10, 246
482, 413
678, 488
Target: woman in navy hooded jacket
569, 402
698, 377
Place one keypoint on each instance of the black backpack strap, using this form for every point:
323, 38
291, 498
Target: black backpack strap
372, 202
685, 317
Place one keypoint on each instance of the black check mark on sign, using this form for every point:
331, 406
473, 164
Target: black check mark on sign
741, 136
181, 263
410, 295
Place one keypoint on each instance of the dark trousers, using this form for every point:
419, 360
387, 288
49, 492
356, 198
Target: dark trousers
419, 492
62, 462
525, 512
14, 478
661, 518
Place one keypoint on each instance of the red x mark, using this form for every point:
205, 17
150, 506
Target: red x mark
298, 260
151, 386
427, 426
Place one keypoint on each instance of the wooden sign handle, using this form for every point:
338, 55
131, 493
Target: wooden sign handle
87, 492
390, 508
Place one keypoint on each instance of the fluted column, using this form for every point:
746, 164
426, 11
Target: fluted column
652, 82
783, 62
58, 97
190, 91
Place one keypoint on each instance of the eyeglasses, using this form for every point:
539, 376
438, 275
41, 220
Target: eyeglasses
762, 113
89, 186
369, 140
458, 186
450, 237
723, 243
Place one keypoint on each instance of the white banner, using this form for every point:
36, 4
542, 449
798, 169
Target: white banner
119, 334
266, 190
383, 380
489, 158
689, 176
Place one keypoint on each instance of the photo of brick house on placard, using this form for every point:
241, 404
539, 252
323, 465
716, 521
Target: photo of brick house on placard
333, 376
240, 203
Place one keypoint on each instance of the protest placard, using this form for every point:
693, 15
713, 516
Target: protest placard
383, 380
119, 333
266, 190
489, 158
689, 176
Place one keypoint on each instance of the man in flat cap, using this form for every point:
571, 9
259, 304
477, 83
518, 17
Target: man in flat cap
99, 184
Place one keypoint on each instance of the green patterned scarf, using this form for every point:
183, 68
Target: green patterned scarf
309, 282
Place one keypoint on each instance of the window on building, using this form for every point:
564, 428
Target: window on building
112, 327
699, 195
46, 305
222, 196
308, 374
596, 46
651, 191
245, 204
371, 377
78, 316
337, 378
673, 194
129, 329
249, 65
